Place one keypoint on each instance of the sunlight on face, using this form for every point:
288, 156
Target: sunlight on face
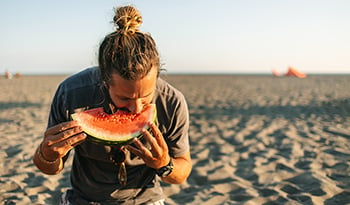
133, 94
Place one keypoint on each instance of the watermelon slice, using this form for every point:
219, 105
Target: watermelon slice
119, 128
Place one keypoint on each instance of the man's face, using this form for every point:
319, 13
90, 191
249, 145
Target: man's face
133, 94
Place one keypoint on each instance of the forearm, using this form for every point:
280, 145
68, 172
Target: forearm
181, 171
47, 167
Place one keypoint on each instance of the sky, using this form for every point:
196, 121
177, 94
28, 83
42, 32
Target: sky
192, 36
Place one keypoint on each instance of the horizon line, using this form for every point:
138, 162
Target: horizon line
187, 73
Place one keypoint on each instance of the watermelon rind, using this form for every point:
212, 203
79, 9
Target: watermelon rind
112, 138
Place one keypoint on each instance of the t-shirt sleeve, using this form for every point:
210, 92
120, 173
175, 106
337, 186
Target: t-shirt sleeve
178, 137
58, 112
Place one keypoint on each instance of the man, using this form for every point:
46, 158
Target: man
127, 78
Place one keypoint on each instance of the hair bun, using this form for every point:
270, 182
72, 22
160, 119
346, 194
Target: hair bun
128, 19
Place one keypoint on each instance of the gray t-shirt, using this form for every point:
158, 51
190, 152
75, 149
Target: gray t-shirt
93, 175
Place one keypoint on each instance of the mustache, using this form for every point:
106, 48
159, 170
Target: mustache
113, 108
123, 109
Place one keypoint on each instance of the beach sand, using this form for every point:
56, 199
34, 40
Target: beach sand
254, 140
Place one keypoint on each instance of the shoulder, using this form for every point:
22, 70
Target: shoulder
82, 90
167, 91
84, 78
171, 103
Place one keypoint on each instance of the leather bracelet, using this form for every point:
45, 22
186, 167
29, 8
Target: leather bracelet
47, 167
42, 158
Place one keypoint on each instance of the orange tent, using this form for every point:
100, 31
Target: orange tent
294, 72
291, 72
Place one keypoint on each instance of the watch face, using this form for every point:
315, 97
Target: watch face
166, 172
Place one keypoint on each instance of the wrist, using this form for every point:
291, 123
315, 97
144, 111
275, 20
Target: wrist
166, 170
47, 167
44, 158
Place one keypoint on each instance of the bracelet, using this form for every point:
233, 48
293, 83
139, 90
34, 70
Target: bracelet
47, 167
42, 158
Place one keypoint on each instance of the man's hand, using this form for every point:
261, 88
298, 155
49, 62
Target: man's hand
155, 157
59, 139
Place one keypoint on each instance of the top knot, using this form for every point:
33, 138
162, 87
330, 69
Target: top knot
128, 19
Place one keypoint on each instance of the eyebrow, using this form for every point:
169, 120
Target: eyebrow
125, 97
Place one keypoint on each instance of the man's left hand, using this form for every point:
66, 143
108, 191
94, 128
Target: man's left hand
155, 157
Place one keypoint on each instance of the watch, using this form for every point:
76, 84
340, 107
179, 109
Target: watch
166, 170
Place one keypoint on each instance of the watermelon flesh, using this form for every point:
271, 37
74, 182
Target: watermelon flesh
119, 128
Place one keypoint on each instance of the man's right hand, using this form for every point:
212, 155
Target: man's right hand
61, 138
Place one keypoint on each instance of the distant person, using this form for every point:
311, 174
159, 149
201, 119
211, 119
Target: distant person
8, 75
18, 75
127, 78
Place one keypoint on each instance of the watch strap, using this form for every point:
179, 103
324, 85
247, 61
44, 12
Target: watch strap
166, 170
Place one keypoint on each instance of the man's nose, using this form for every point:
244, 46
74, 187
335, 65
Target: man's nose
135, 106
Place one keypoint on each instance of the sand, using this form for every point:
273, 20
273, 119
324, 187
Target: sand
254, 140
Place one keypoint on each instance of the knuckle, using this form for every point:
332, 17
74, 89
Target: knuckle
61, 128
67, 133
64, 134
74, 129
67, 143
